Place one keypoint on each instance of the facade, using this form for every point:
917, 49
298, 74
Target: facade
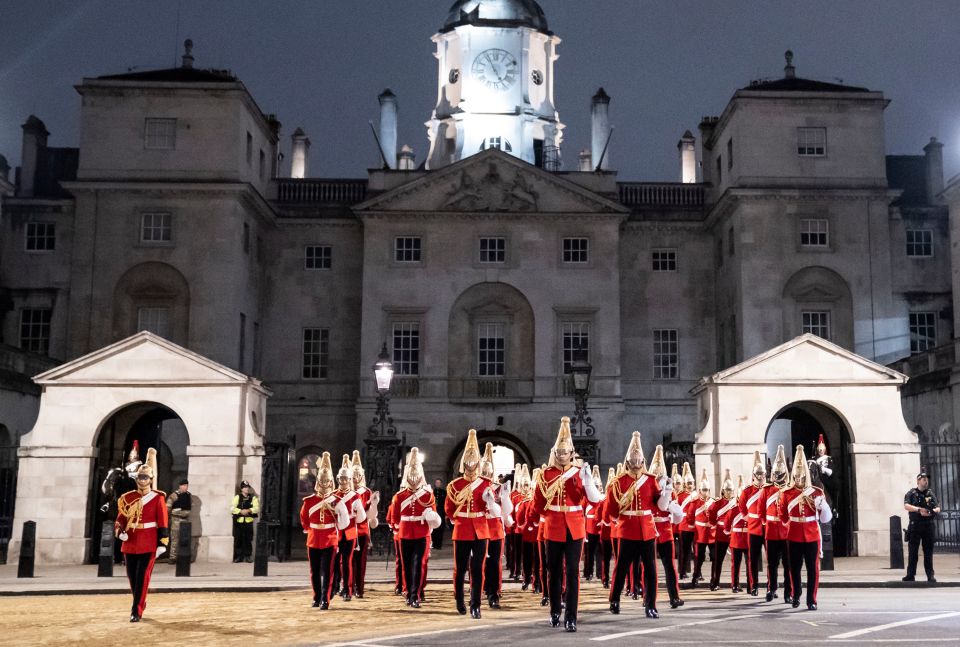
484, 269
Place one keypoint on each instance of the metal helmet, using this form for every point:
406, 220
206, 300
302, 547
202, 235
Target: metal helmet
727, 489
759, 470
801, 471
597, 480
413, 470
634, 460
133, 461
149, 468
658, 466
564, 442
470, 461
346, 472
689, 483
611, 477
821, 446
739, 485
675, 477
325, 483
779, 473
359, 476
486, 463
704, 483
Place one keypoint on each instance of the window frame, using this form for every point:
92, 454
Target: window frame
583, 333
43, 326
322, 353
659, 366
827, 314
480, 327
160, 321
502, 251
932, 324
149, 136
806, 220
143, 228
668, 260
586, 251
924, 231
805, 145
50, 234
318, 268
399, 363
418, 250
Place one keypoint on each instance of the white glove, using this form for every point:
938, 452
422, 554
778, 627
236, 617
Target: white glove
586, 472
492, 506
432, 518
123, 536
506, 503
358, 512
375, 498
824, 513
372, 511
160, 550
343, 517
676, 512
508, 520
586, 476
666, 493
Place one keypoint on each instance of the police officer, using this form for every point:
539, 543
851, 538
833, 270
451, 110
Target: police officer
245, 508
179, 504
922, 505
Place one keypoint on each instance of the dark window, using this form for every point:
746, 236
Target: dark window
249, 149
576, 250
816, 322
316, 353
491, 351
730, 153
406, 249
919, 243
814, 232
318, 257
156, 228
664, 260
812, 142
406, 348
493, 250
665, 355
923, 331
40, 237
576, 334
719, 170
35, 330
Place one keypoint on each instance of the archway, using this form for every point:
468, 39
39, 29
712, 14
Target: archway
508, 450
150, 425
801, 423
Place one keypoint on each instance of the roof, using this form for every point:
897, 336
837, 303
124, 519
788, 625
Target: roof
496, 13
175, 75
909, 173
800, 85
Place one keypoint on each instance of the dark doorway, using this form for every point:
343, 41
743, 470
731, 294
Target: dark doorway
8, 488
508, 450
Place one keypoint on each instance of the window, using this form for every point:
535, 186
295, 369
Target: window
318, 257
496, 142
719, 251
155, 319
493, 250
249, 149
730, 241
817, 322
246, 237
814, 232
406, 249
490, 350
576, 250
665, 355
406, 348
919, 243
242, 350
664, 260
256, 348
730, 153
156, 227
263, 163
40, 237
923, 331
812, 142
719, 169
35, 330
574, 334
160, 134
316, 353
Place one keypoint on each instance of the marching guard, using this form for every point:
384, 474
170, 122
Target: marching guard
493, 567
739, 545
687, 498
469, 499
698, 517
606, 531
369, 500
591, 548
322, 517
514, 542
751, 506
527, 523
665, 521
141, 525
343, 560
562, 492
414, 511
721, 514
775, 531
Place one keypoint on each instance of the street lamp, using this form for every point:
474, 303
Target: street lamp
383, 372
384, 450
581, 426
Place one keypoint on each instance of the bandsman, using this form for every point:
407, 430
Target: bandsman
666, 521
527, 525
591, 545
697, 516
775, 531
751, 506
322, 517
514, 540
369, 500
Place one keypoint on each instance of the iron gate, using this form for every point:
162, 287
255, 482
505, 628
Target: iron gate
941, 457
276, 498
8, 497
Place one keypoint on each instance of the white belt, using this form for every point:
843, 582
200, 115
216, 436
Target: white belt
661, 519
771, 517
635, 513
701, 523
322, 526
591, 516
411, 518
149, 524
739, 530
753, 515
471, 515
564, 508
803, 519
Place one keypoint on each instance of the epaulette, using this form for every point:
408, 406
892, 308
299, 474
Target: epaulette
161, 493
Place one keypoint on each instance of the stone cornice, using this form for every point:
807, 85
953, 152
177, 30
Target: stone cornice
488, 215
733, 195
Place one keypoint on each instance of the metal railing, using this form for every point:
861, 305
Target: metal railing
321, 191
661, 194
405, 387
489, 389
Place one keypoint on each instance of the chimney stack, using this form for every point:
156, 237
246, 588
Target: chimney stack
933, 152
789, 71
600, 129
299, 154
34, 138
688, 158
388, 126
585, 161
187, 55
407, 160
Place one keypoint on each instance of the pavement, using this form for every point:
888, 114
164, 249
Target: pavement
849, 572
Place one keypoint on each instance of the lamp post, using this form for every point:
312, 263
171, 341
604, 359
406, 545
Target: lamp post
383, 448
581, 426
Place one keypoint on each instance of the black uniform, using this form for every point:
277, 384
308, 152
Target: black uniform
920, 531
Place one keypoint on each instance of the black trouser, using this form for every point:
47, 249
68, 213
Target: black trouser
531, 563
508, 551
716, 567
398, 564
777, 553
740, 556
687, 542
563, 559
635, 579
591, 556
631, 553
701, 555
139, 568
472, 552
436, 535
360, 564
753, 565
920, 534
544, 576
321, 572
342, 566
805, 553
606, 545
492, 568
516, 567
242, 541
411, 555
666, 553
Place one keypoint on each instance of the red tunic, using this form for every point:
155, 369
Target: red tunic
686, 501
495, 523
592, 519
144, 537
515, 498
722, 513
319, 520
773, 528
407, 510
699, 507
560, 498
364, 493
751, 506
661, 518
633, 517
469, 516
803, 522
527, 523
738, 531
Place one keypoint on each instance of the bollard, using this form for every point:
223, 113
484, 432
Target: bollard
826, 538
184, 544
896, 543
105, 563
262, 552
28, 546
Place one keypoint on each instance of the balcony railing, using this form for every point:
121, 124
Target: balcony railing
928, 361
321, 191
661, 194
489, 389
405, 387
28, 364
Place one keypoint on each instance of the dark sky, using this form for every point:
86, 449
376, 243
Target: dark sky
320, 65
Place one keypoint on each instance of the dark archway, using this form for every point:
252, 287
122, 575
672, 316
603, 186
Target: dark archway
801, 423
499, 438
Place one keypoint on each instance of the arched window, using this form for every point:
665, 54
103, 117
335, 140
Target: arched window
155, 297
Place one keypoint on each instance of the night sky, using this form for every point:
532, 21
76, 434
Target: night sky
320, 65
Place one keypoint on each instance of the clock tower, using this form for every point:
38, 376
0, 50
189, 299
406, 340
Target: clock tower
495, 84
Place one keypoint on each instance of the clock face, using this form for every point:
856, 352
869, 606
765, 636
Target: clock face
537, 76
496, 68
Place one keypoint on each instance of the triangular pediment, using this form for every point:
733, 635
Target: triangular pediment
143, 358
491, 181
815, 294
807, 359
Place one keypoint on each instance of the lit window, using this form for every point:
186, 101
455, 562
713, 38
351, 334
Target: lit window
814, 232
406, 348
664, 260
923, 331
665, 355
318, 257
156, 228
816, 322
406, 249
493, 250
35, 330
160, 134
812, 142
575, 334
576, 250
40, 237
919, 243
496, 142
155, 319
491, 352
316, 353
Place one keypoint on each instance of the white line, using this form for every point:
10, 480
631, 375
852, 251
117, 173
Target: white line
668, 627
361, 642
870, 630
819, 641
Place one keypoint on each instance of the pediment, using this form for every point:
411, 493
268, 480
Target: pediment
491, 181
807, 359
143, 358
815, 294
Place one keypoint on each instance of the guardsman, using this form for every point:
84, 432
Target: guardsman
369, 500
775, 531
414, 511
526, 526
469, 498
606, 531
513, 539
542, 545
722, 513
751, 506
665, 521
677, 490
591, 547
343, 562
142, 527
803, 506
493, 567
322, 517
738, 543
698, 518
563, 491
398, 565
633, 500
687, 498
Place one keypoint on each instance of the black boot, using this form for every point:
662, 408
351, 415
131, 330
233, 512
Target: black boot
615, 608
554, 619
676, 603
475, 613
652, 613
461, 608
570, 625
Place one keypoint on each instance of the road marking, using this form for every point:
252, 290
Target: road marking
668, 627
819, 641
891, 625
363, 643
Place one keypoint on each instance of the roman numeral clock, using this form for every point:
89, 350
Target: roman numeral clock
496, 68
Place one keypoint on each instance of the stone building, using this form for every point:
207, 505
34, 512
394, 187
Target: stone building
484, 270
